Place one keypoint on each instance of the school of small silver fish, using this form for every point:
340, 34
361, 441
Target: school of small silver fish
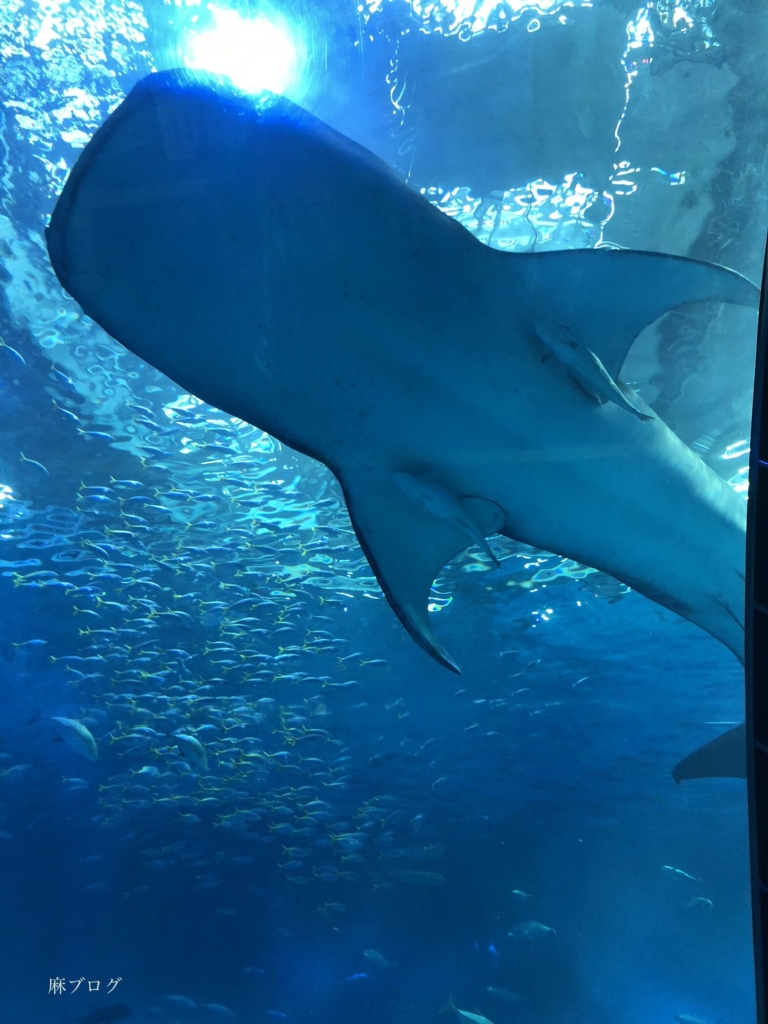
204, 604
209, 597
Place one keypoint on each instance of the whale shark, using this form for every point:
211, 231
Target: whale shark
277, 270
721, 758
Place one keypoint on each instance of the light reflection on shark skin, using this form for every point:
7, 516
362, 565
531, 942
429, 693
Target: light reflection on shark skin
278, 271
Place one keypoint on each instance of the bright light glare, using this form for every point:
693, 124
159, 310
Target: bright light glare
254, 53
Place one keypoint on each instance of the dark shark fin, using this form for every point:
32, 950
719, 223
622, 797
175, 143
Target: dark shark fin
724, 757
605, 297
409, 527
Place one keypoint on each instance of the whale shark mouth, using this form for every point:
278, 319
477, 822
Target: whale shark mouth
277, 270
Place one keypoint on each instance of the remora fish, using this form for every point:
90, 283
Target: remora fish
277, 270
77, 736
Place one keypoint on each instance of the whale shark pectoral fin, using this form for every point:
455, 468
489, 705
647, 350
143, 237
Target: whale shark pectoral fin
587, 368
607, 297
724, 757
408, 531
406, 548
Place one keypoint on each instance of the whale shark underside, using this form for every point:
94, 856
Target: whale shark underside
282, 273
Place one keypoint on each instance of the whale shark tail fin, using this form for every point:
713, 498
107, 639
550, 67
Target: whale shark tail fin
724, 757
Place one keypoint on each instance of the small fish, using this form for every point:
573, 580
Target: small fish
217, 1008
699, 901
378, 960
520, 895
686, 1018
283, 828
33, 462
334, 908
357, 977
13, 352
503, 993
679, 872
75, 785
476, 1018
185, 1001
72, 417
531, 930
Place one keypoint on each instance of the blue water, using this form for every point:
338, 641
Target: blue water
562, 792
164, 566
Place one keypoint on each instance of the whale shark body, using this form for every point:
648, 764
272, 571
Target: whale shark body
282, 273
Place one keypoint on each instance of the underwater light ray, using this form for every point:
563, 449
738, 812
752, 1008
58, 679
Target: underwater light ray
255, 54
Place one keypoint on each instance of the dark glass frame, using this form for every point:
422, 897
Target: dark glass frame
756, 622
